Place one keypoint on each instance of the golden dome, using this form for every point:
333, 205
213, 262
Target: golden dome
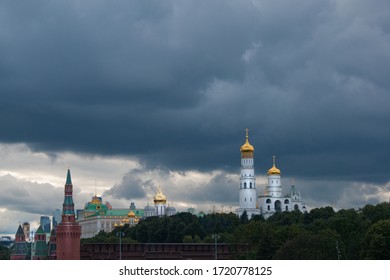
273, 170
131, 214
96, 200
247, 147
160, 197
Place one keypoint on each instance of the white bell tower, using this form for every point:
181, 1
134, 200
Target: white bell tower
247, 192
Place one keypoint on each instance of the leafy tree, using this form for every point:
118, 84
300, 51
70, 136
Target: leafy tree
376, 213
322, 213
309, 246
262, 237
377, 241
5, 253
244, 218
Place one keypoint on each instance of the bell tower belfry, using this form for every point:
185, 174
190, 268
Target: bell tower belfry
247, 190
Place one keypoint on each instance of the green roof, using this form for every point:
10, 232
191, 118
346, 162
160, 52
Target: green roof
68, 178
40, 230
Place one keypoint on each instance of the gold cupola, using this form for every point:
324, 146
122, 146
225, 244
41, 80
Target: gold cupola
160, 198
273, 170
131, 214
247, 147
96, 200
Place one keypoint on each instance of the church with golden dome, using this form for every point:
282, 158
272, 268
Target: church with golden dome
273, 200
98, 216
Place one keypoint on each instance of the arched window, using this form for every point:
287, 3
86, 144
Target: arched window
286, 201
250, 185
268, 201
268, 208
244, 185
296, 207
286, 207
278, 205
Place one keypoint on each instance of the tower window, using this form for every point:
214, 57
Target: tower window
250, 185
244, 185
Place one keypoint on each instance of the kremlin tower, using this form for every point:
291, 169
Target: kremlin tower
68, 232
247, 193
20, 246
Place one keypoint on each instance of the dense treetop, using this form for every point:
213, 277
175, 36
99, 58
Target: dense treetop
321, 233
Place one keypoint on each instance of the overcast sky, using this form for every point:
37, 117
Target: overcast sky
137, 94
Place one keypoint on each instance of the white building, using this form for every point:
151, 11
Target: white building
97, 216
247, 192
273, 199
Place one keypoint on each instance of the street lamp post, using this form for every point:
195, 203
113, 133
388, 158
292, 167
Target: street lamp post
120, 233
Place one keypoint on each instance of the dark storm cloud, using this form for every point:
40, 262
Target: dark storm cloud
176, 82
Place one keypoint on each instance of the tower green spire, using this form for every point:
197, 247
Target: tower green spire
68, 178
68, 206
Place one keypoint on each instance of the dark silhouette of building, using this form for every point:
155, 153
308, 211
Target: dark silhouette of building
20, 246
68, 232
53, 245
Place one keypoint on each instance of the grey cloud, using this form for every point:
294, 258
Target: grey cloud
131, 187
175, 83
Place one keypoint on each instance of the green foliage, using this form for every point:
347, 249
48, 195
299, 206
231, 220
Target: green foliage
377, 241
320, 234
244, 218
310, 246
5, 253
376, 213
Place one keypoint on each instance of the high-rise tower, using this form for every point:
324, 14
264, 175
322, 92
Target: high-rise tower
247, 193
68, 231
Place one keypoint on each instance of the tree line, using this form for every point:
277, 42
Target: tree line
321, 233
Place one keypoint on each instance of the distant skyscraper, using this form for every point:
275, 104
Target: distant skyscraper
56, 217
68, 231
45, 224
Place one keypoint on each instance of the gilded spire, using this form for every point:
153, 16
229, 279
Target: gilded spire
247, 147
273, 170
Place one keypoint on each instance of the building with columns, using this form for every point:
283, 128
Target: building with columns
273, 199
98, 216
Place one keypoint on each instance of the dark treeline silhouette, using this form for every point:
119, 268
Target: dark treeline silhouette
321, 233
